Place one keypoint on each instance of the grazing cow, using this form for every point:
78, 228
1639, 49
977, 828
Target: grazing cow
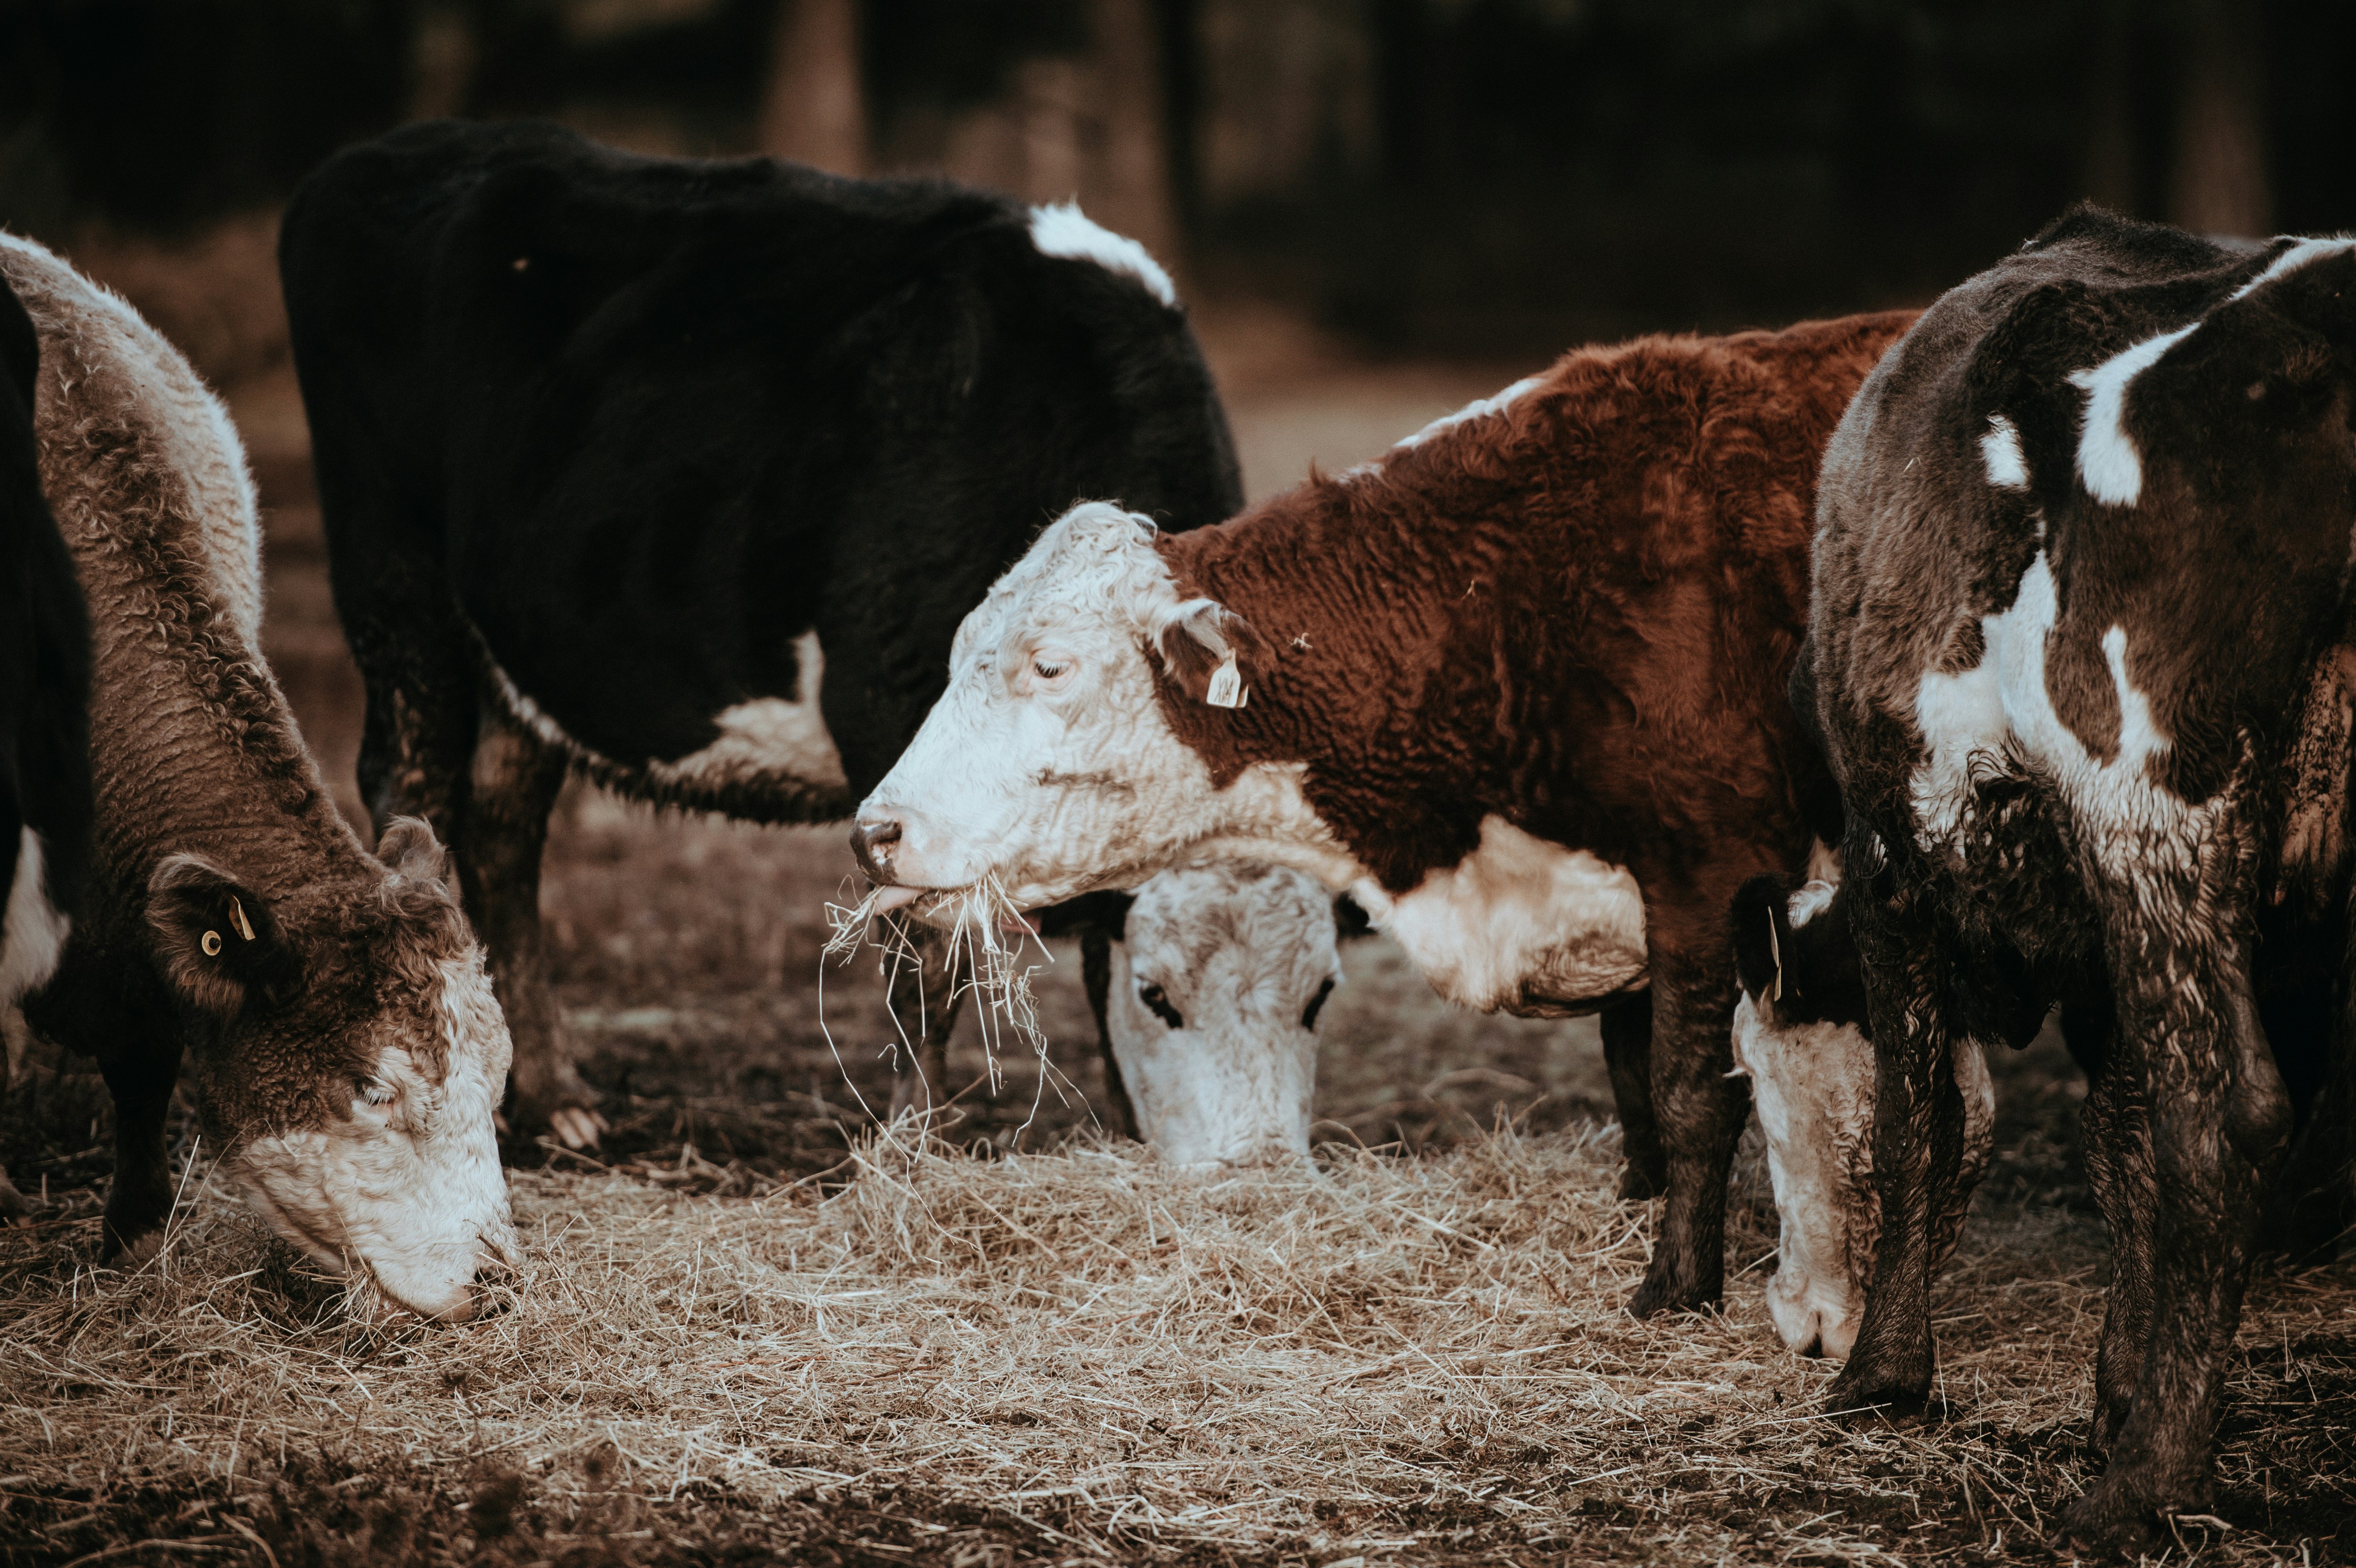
2078, 653
44, 727
1518, 686
1207, 1015
1801, 1035
347, 1045
680, 474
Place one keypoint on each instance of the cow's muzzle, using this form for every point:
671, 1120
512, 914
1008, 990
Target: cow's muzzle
872, 841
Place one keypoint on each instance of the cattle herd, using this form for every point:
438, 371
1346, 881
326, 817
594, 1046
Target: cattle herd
1821, 708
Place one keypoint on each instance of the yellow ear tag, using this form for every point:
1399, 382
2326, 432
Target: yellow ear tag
1775, 950
211, 944
237, 914
1227, 688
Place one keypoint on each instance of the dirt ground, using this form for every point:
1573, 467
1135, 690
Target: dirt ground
687, 958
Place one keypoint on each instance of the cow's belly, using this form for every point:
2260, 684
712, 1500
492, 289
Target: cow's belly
1522, 925
772, 758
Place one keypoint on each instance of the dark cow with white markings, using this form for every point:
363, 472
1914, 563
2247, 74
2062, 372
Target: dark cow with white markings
680, 474
1517, 686
44, 724
347, 1045
2077, 650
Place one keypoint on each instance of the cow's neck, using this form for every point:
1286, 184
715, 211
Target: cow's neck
1331, 768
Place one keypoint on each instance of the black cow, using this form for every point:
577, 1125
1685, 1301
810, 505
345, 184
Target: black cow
2078, 649
681, 474
44, 727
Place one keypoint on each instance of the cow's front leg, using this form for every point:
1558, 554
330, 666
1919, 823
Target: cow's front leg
923, 998
514, 784
1627, 1030
141, 1074
1699, 1107
2219, 1122
1920, 1171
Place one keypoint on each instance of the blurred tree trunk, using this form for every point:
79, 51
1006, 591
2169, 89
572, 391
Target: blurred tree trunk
1134, 167
812, 110
2218, 184
2110, 175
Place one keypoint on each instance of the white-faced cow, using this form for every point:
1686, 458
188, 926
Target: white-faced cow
1207, 984
347, 1045
44, 725
1518, 686
680, 474
2076, 649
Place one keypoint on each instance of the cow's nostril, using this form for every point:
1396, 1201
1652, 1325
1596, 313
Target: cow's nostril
871, 842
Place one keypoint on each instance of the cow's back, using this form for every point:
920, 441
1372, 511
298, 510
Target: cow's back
659, 419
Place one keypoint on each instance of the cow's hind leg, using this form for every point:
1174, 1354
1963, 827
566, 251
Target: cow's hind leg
1627, 1055
2219, 1120
514, 782
1920, 1136
2117, 1136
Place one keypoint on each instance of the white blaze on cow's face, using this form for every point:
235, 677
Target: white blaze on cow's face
1800, 1035
352, 1061
1048, 764
1221, 979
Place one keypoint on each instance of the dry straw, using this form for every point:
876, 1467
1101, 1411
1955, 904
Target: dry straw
1379, 1358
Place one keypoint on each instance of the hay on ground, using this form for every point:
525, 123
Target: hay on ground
1409, 1359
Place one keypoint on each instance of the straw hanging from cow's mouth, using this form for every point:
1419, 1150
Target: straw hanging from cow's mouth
980, 917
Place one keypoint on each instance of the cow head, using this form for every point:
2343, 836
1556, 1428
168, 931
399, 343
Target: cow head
1801, 1036
352, 1056
1049, 763
1222, 972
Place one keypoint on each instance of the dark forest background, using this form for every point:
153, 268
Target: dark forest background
1431, 176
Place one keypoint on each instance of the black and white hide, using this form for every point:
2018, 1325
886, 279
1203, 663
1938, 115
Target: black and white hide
680, 474
2078, 617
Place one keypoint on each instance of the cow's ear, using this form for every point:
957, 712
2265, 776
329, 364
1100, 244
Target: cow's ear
218, 944
419, 864
1214, 654
1763, 948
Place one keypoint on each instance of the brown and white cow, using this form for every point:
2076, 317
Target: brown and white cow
1518, 686
345, 1040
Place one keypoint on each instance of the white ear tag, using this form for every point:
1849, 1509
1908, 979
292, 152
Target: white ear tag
1775, 950
1227, 688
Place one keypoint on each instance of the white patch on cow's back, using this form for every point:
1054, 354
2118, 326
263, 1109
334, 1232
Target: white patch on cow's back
1520, 921
1479, 408
2007, 468
1061, 229
1974, 722
31, 938
2291, 260
2108, 463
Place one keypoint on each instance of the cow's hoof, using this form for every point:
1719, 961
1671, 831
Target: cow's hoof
2110, 1522
577, 1127
1861, 1397
1662, 1293
118, 1251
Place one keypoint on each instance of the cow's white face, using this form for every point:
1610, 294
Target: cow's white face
1813, 1086
1048, 764
1811, 1065
1224, 972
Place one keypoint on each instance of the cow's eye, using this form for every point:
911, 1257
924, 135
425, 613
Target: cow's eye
1316, 1004
1050, 668
1157, 1001
376, 1091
